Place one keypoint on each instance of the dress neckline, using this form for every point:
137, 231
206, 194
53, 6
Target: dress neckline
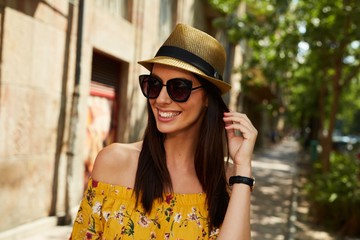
95, 183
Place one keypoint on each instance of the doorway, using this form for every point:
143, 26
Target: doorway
102, 107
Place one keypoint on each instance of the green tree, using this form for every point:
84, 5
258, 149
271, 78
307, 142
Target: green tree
309, 50
331, 31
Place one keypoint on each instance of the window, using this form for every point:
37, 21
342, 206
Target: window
117, 8
167, 18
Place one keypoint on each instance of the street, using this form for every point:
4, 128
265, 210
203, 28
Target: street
273, 169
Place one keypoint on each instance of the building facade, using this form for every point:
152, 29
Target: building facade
68, 87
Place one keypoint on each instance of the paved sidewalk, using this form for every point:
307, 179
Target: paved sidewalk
54, 233
274, 169
43, 229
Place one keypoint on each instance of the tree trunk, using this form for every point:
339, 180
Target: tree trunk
324, 141
327, 139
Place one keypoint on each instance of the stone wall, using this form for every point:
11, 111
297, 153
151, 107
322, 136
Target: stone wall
31, 80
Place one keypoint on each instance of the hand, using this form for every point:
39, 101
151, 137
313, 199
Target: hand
240, 146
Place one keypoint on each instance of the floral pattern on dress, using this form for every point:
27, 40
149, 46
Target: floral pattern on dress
109, 212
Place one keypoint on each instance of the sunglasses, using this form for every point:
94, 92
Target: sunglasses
179, 89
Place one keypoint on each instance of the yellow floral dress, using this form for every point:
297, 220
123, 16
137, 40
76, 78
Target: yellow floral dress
108, 212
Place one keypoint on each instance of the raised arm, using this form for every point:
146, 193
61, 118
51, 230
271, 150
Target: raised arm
236, 225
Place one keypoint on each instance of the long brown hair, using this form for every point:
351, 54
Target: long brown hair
153, 178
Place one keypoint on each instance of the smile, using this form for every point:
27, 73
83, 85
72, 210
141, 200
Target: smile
168, 114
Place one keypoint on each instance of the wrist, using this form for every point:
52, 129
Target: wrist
243, 170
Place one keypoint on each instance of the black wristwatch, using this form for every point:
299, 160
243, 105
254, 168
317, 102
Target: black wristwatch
243, 180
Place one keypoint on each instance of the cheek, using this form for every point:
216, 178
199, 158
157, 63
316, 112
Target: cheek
206, 100
199, 105
202, 100
152, 104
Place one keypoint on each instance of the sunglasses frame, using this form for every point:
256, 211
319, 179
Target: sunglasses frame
187, 83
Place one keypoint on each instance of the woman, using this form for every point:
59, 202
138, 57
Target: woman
173, 184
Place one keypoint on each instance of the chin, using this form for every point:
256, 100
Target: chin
164, 130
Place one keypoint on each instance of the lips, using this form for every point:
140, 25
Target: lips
164, 114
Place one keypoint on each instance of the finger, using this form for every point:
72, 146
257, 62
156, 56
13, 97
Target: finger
237, 122
237, 114
242, 120
230, 132
238, 127
246, 132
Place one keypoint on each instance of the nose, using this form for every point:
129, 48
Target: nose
163, 96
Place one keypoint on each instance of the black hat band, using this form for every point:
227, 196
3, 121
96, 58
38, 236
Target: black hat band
188, 57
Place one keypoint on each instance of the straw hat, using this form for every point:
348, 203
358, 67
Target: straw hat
195, 51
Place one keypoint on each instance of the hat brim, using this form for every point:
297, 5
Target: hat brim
221, 85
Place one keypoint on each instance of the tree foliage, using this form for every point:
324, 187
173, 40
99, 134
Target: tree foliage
310, 50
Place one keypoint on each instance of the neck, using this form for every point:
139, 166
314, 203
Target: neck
180, 151
180, 161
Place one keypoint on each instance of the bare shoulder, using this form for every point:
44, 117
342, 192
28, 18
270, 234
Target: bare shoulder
117, 164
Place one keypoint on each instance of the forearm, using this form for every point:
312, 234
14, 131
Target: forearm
236, 225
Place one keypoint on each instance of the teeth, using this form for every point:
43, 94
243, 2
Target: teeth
168, 114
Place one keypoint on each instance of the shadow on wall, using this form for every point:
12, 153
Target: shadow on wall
30, 7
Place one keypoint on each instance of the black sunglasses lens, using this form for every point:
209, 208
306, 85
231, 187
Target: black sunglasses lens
179, 89
150, 86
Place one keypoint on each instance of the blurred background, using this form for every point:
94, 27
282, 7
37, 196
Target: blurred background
69, 87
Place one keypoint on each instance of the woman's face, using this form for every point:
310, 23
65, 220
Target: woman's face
178, 117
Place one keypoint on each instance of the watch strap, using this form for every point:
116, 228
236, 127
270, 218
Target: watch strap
242, 180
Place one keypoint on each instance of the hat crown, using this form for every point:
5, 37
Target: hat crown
188, 38
192, 50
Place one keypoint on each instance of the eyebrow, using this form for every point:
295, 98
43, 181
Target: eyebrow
157, 76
